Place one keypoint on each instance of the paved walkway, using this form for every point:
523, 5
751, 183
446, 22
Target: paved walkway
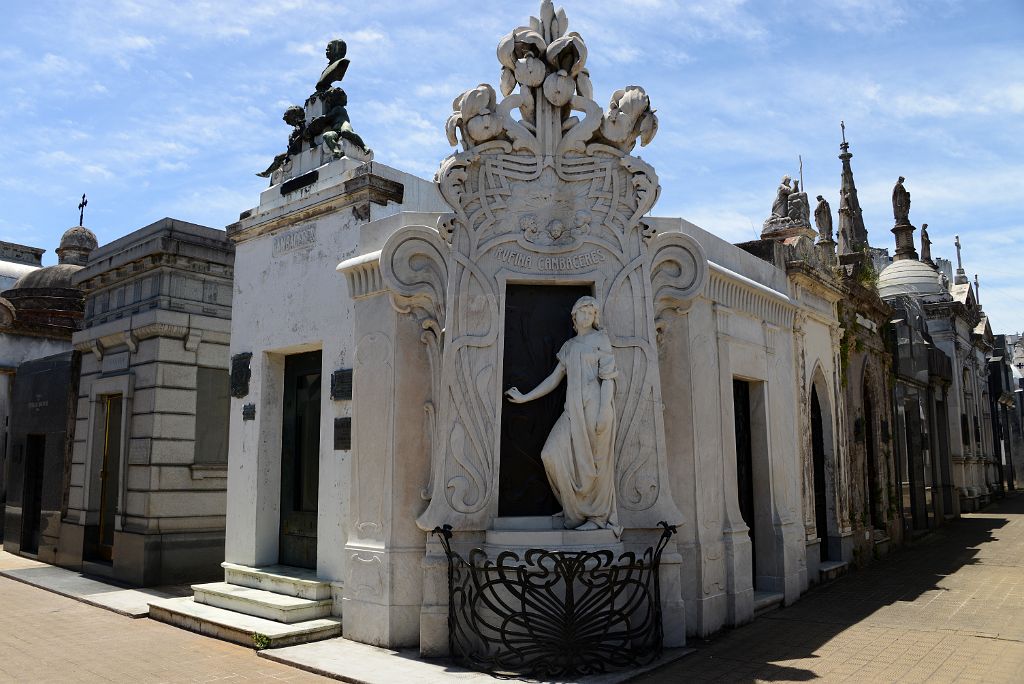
949, 609
45, 637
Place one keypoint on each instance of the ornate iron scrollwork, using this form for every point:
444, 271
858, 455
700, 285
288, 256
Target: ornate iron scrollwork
554, 614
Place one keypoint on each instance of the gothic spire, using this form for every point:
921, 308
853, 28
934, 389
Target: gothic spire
853, 236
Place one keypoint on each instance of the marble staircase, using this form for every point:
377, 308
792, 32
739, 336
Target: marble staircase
264, 607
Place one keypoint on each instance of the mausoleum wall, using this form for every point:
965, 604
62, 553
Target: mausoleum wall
289, 299
156, 344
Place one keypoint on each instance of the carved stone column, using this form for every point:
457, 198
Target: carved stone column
384, 551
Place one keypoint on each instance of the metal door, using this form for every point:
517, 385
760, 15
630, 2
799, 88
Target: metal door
300, 459
109, 474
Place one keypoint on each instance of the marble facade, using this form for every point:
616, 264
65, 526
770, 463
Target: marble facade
753, 406
146, 489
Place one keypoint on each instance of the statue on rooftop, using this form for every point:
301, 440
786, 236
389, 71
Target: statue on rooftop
823, 219
901, 203
780, 207
295, 117
798, 208
336, 67
926, 245
334, 124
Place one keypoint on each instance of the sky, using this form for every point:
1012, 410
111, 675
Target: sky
156, 108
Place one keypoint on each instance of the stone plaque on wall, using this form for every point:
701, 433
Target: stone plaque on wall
342, 434
341, 384
240, 374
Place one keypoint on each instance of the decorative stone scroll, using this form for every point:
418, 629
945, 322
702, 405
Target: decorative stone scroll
544, 190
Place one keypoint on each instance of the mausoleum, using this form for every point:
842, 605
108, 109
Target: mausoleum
145, 492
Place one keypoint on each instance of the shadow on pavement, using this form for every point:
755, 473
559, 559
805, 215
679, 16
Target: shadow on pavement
749, 653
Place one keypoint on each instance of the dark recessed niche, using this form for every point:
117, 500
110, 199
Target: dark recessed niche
249, 412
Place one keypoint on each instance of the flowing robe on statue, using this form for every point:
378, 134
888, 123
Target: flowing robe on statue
579, 461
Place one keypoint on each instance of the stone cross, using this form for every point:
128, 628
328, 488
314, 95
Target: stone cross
842, 125
977, 290
959, 264
81, 209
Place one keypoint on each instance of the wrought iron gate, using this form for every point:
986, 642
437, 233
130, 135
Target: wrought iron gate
554, 614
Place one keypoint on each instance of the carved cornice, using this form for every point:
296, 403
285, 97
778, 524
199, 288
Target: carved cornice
152, 262
363, 275
743, 294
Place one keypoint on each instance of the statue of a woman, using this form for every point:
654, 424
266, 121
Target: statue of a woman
578, 455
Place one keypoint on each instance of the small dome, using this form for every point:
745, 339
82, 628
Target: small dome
58, 276
910, 277
75, 245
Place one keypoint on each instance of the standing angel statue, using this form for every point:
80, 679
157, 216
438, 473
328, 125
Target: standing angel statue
578, 455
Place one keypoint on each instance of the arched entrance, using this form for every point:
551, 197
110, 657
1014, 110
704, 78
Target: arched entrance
820, 481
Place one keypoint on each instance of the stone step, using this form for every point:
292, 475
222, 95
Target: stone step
831, 570
767, 601
279, 579
247, 630
261, 603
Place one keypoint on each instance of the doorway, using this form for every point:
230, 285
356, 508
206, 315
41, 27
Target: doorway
300, 459
820, 484
110, 470
745, 462
537, 324
32, 494
871, 463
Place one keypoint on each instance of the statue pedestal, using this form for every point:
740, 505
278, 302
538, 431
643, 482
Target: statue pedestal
781, 229
520, 534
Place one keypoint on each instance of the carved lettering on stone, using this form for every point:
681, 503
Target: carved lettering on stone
303, 237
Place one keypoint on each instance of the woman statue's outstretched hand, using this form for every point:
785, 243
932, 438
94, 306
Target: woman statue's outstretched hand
514, 395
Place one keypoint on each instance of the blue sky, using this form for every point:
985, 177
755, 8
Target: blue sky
159, 108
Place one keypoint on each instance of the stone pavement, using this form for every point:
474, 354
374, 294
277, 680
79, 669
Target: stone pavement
130, 601
949, 609
45, 637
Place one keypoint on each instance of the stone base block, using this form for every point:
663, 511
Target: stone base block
434, 631
384, 626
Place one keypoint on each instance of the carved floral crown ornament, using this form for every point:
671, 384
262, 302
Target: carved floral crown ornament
548, 66
544, 189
